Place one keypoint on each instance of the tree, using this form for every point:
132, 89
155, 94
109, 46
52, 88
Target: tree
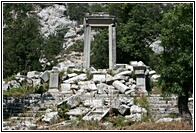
176, 67
52, 47
77, 11
138, 26
100, 50
21, 39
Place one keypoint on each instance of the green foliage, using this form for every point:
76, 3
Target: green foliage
77, 11
52, 46
19, 91
119, 121
21, 39
62, 109
142, 102
138, 25
97, 7
78, 46
100, 44
61, 73
111, 72
176, 67
89, 75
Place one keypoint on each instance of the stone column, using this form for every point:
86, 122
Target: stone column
141, 78
87, 40
53, 82
112, 46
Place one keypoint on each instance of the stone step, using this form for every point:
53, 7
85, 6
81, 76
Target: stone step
161, 98
157, 102
160, 105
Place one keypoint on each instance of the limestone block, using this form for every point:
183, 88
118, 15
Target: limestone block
115, 103
93, 102
75, 79
87, 85
120, 77
32, 74
96, 114
79, 111
54, 80
73, 101
109, 79
134, 117
129, 67
134, 63
98, 78
125, 73
65, 87
72, 75
120, 86
164, 120
152, 72
50, 117
102, 88
45, 76
135, 109
74, 86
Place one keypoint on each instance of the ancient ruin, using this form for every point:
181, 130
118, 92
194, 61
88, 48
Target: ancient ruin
99, 20
86, 92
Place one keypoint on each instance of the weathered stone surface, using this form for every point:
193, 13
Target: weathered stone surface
152, 72
36, 82
51, 117
109, 79
5, 86
134, 117
98, 78
134, 63
164, 120
45, 76
124, 73
115, 103
79, 111
54, 80
73, 101
72, 75
135, 109
155, 77
111, 91
87, 85
129, 67
13, 84
93, 102
121, 87
124, 109
65, 87
96, 114
74, 86
33, 74
120, 77
75, 79
102, 88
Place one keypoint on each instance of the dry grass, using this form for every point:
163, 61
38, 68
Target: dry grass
161, 126
137, 126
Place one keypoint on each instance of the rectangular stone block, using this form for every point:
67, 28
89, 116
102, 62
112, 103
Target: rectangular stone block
45, 76
54, 80
65, 87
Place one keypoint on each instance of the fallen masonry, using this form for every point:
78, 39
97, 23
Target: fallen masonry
89, 95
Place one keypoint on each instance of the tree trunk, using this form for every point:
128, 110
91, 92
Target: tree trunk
183, 108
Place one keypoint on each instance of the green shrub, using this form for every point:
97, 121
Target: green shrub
119, 121
62, 109
19, 91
